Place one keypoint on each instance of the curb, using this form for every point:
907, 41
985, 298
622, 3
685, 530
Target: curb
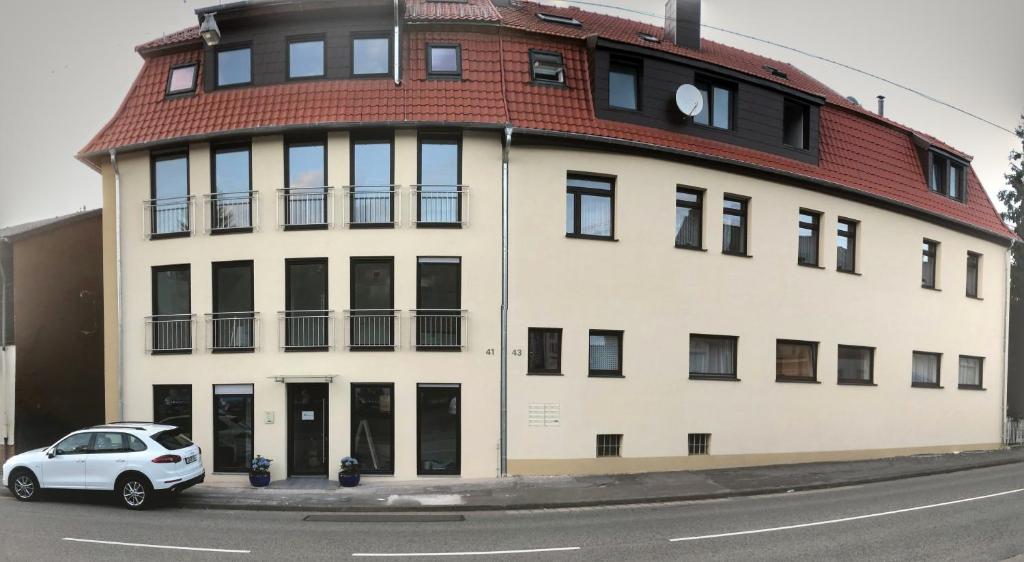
182, 502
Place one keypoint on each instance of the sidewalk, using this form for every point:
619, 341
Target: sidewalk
379, 494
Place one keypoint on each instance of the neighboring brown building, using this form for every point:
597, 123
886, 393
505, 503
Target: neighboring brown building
52, 329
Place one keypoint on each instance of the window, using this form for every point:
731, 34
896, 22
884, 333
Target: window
232, 324
970, 372
712, 357
306, 197
925, 371
605, 353
373, 427
438, 304
371, 201
547, 68
856, 364
371, 56
372, 300
234, 66
563, 20
717, 111
807, 250
439, 194
590, 207
544, 355
609, 445
77, 444
444, 61
182, 79
796, 125
796, 361
624, 84
232, 427
947, 176
306, 316
734, 226
231, 200
172, 405
111, 442
689, 218
171, 323
172, 439
846, 246
973, 268
929, 257
305, 58
698, 443
438, 427
170, 210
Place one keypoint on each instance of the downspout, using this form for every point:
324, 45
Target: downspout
3, 346
120, 284
1006, 337
398, 50
504, 301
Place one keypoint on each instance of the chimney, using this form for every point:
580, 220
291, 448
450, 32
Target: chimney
881, 106
682, 23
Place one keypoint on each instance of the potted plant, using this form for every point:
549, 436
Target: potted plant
348, 476
259, 471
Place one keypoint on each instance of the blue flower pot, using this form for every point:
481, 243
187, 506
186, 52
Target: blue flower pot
259, 480
348, 480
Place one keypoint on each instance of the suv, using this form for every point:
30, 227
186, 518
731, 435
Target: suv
132, 459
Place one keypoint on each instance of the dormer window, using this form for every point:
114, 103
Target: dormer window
444, 61
563, 20
234, 66
717, 111
796, 130
946, 176
624, 84
305, 58
547, 68
182, 79
371, 56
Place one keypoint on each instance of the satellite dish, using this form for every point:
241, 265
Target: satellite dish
689, 100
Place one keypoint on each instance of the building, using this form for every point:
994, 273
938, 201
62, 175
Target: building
51, 363
480, 237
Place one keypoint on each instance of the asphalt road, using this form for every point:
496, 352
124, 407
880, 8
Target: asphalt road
972, 515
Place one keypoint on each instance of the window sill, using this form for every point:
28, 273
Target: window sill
223, 231
300, 227
848, 272
691, 248
180, 95
439, 225
975, 298
970, 387
736, 254
529, 374
228, 351
931, 288
171, 352
306, 349
604, 376
796, 380
697, 377
371, 225
856, 383
549, 83
169, 235
592, 237
925, 385
811, 266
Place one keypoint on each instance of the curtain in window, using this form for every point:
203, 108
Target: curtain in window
688, 227
926, 368
970, 371
854, 364
712, 356
596, 215
604, 353
795, 360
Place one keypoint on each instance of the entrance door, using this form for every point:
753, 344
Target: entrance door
373, 427
439, 426
307, 429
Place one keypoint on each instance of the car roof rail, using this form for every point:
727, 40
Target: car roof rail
118, 425
132, 422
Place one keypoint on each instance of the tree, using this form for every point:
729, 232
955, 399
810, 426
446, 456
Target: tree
1013, 199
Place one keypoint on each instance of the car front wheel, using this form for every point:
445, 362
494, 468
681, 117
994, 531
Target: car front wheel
134, 492
24, 485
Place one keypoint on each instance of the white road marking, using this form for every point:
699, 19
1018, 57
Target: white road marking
845, 519
477, 553
141, 545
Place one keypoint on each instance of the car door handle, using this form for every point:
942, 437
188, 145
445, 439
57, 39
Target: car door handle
119, 460
81, 461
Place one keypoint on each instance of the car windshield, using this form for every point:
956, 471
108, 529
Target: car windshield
172, 439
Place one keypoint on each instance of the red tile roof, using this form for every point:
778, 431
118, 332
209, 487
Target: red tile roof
859, 150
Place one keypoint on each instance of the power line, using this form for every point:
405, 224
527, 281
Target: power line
915, 91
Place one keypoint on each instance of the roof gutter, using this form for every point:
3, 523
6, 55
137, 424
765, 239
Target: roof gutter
120, 284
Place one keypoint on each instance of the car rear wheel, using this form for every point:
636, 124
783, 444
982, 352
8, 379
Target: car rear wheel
134, 491
23, 485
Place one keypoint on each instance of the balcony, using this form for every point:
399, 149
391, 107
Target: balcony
372, 206
439, 205
168, 218
439, 330
231, 212
306, 330
170, 333
305, 208
373, 329
228, 332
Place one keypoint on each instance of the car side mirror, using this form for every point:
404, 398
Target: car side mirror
51, 453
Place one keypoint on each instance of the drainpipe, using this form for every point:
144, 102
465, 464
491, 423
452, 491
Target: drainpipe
504, 301
120, 285
3, 346
398, 50
1006, 335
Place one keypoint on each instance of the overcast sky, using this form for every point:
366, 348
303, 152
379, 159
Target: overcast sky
68, 63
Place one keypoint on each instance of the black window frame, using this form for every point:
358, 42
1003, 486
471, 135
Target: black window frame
708, 85
425, 260
578, 192
288, 262
219, 468
930, 250
437, 137
371, 35
354, 430
626, 65
167, 387
814, 361
444, 74
353, 262
154, 158
850, 235
154, 272
938, 370
552, 58
696, 206
312, 38
871, 366
304, 141
814, 225
974, 260
735, 340
938, 173
373, 137
249, 314
744, 213
557, 371
789, 104
226, 49
698, 444
457, 470
981, 373
610, 447
216, 149
171, 94
606, 373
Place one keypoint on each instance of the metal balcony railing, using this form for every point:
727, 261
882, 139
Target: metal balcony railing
305, 207
373, 329
172, 216
226, 212
372, 205
439, 205
233, 331
439, 329
306, 330
170, 333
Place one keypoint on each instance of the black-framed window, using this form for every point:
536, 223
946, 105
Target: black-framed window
547, 67
605, 356
306, 317
590, 207
373, 427
371, 56
372, 300
181, 79
698, 443
233, 426
444, 60
231, 200
305, 57
856, 364
438, 303
624, 84
796, 361
439, 195
689, 218
809, 230
115, 442
718, 103
926, 369
796, 124
172, 405
734, 225
929, 259
371, 199
234, 66
438, 429
971, 371
947, 176
172, 309
973, 273
609, 445
306, 198
713, 357
233, 322
846, 245
170, 214
544, 351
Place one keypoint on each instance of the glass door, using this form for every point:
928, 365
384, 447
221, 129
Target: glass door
307, 429
438, 428
373, 427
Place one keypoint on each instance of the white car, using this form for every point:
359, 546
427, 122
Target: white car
132, 459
